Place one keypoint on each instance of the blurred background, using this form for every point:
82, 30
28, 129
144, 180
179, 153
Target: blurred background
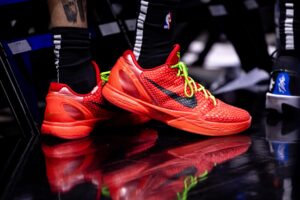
228, 46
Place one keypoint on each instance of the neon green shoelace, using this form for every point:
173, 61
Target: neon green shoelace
105, 191
191, 84
189, 183
104, 76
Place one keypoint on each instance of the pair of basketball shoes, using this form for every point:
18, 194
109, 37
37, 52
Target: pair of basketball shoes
165, 93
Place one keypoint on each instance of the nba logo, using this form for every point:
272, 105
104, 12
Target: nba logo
168, 21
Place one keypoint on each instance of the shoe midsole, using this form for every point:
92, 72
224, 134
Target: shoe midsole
188, 121
275, 101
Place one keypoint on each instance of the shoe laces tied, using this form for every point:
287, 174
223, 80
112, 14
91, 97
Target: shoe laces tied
191, 84
104, 76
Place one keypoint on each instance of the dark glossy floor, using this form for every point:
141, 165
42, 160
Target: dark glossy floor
158, 162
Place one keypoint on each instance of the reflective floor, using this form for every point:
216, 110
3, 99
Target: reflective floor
158, 162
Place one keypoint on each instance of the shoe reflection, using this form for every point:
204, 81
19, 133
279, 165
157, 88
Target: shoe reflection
71, 165
173, 172
118, 167
282, 130
283, 138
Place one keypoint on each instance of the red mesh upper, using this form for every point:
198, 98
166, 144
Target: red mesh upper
167, 77
226, 113
94, 101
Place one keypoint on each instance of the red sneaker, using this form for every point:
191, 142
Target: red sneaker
166, 93
70, 115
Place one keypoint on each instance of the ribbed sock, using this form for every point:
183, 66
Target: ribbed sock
154, 32
73, 58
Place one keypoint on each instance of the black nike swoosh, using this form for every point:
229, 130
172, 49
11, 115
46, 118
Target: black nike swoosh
189, 102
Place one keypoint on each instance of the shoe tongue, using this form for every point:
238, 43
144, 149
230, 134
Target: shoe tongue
174, 56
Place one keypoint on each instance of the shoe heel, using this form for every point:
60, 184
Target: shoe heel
276, 102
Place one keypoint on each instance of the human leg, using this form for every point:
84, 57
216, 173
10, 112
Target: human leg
166, 93
155, 25
284, 90
74, 104
71, 40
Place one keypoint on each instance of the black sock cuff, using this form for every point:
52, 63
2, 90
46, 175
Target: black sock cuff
157, 13
164, 2
72, 44
73, 58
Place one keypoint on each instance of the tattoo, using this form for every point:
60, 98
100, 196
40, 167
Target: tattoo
72, 8
81, 7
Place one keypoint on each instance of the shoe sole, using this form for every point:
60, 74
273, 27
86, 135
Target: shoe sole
275, 101
182, 120
70, 130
